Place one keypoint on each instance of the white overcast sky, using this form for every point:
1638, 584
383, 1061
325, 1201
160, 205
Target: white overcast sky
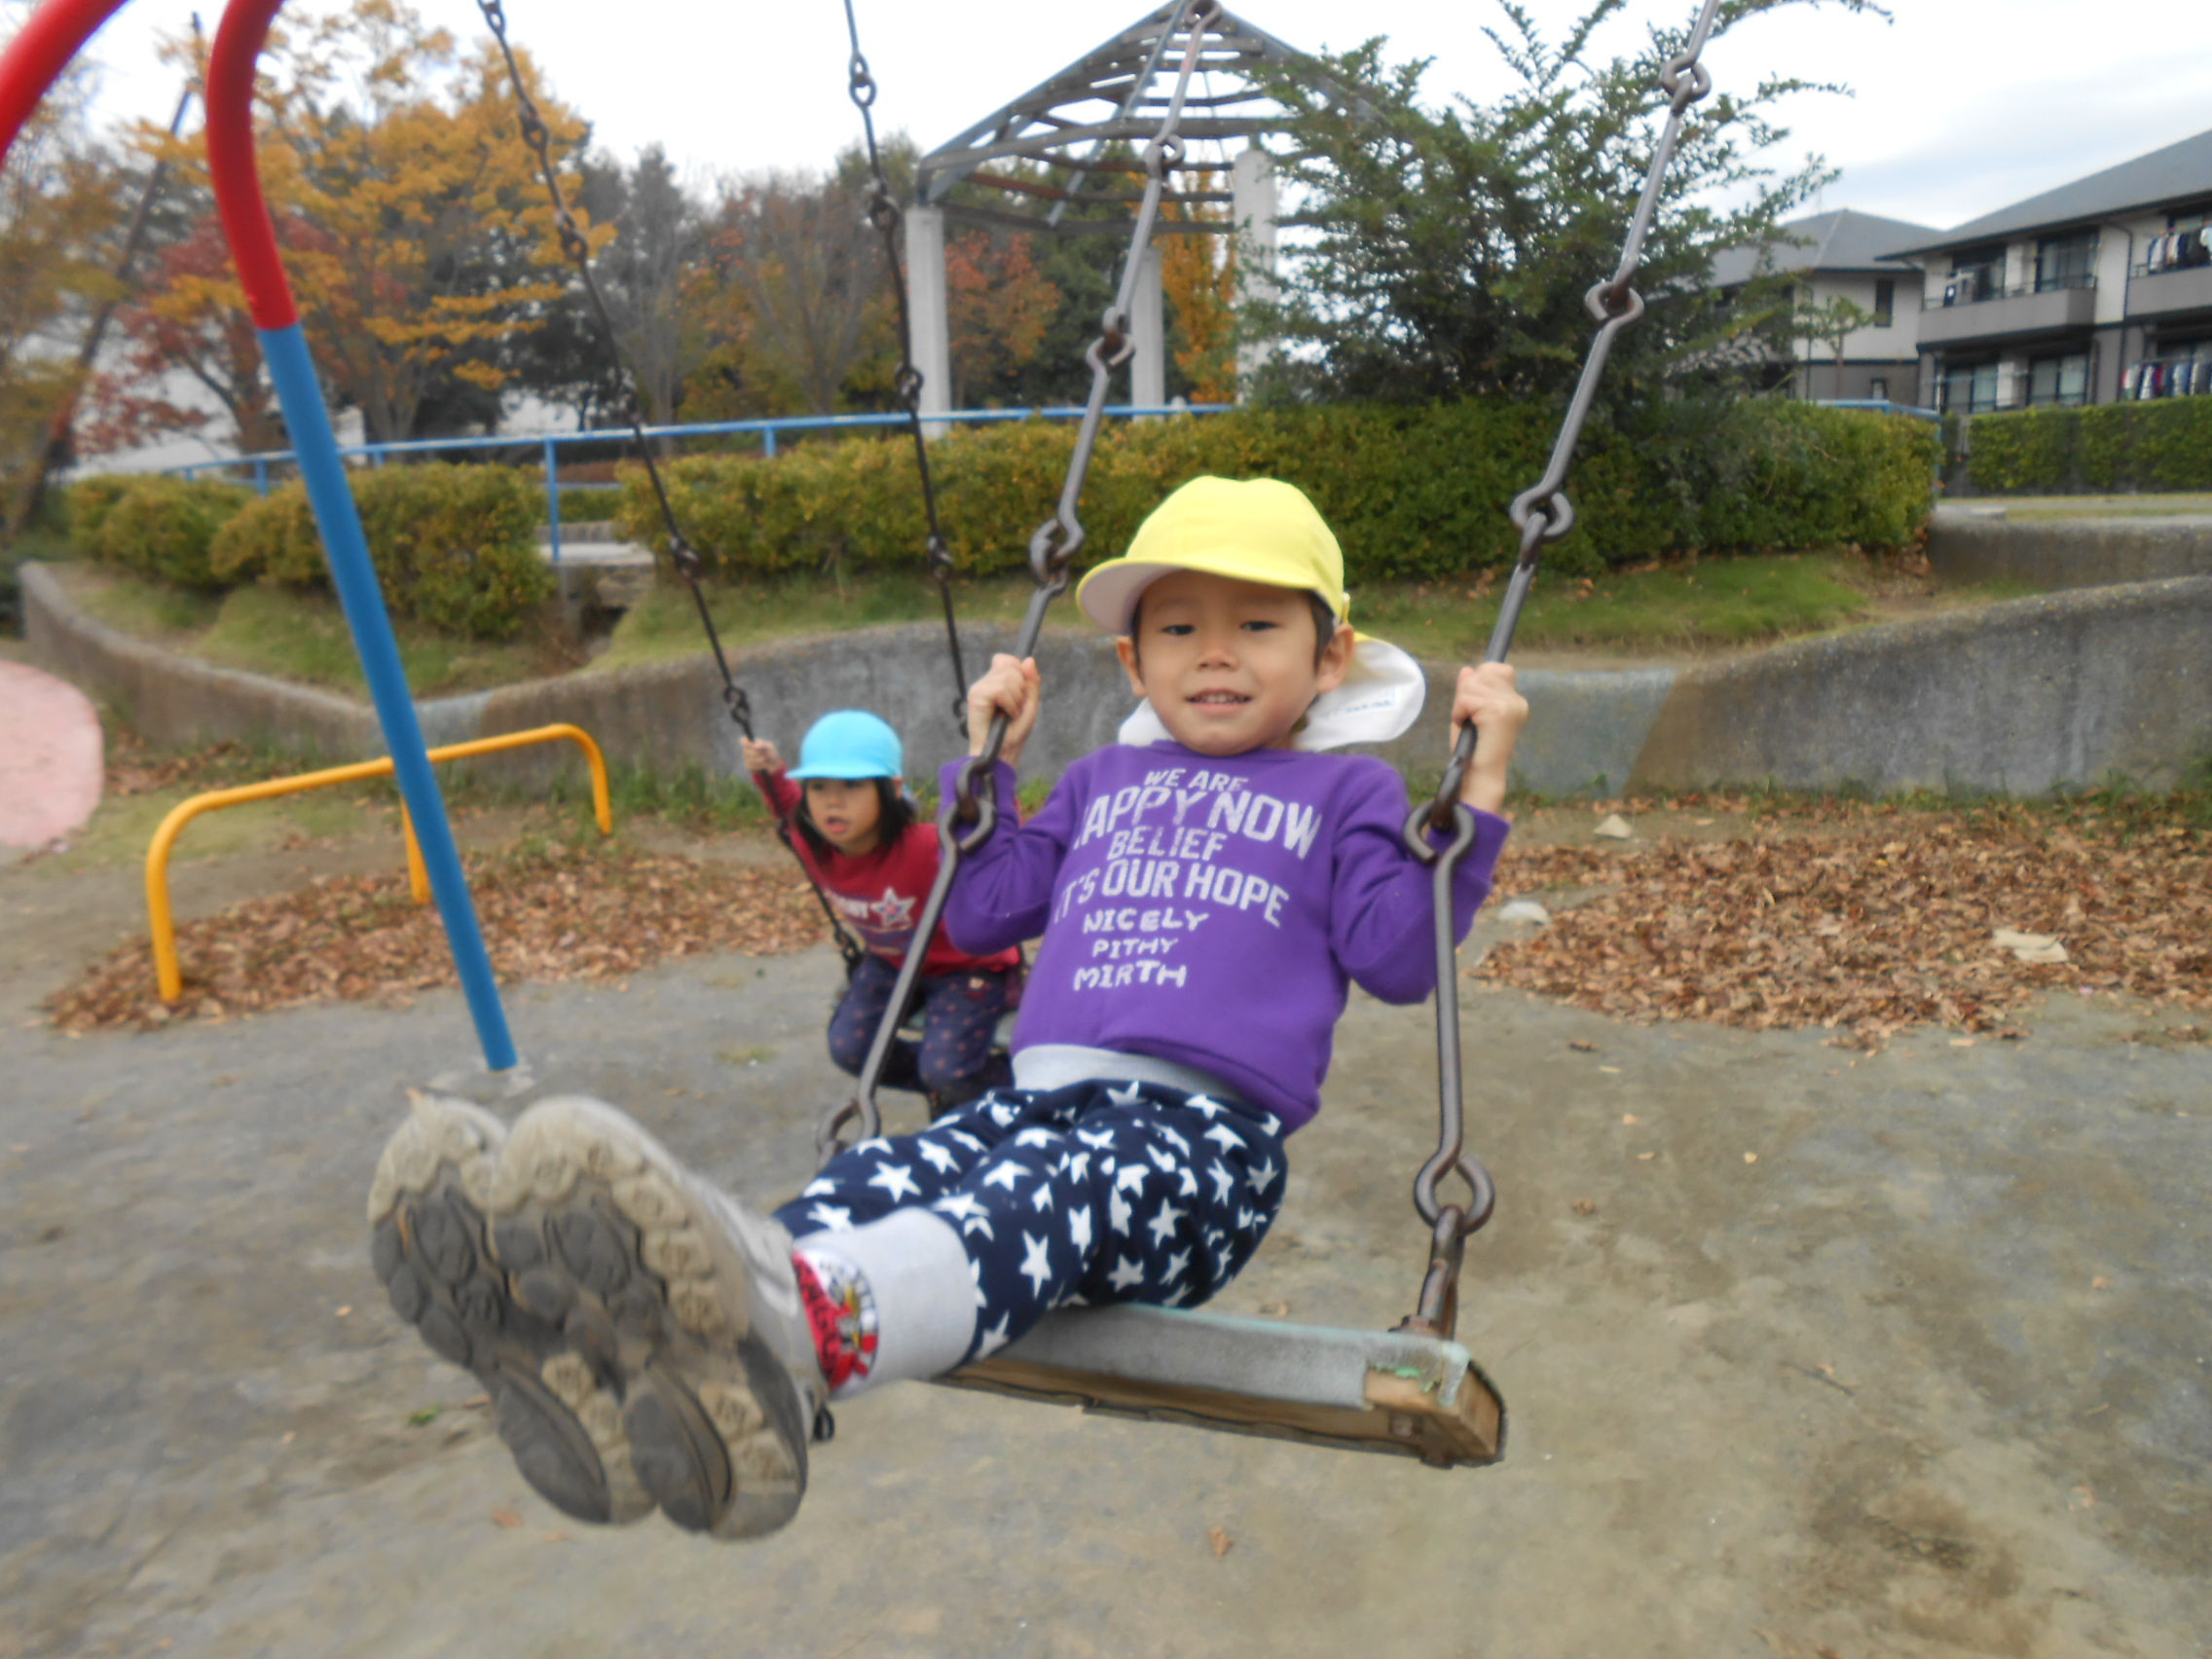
1961, 106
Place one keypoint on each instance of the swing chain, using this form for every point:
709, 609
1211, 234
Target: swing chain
970, 811
577, 249
883, 214
1541, 513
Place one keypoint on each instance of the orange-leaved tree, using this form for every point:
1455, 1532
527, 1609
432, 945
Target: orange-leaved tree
416, 230
1198, 278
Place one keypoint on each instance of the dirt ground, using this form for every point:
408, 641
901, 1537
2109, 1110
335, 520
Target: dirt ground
1808, 1355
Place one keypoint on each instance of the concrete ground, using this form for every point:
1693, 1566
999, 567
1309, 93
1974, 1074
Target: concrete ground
1806, 1358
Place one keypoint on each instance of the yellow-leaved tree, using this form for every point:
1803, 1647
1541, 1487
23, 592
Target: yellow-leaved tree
417, 232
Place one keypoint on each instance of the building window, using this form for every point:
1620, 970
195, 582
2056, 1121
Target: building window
1977, 273
1970, 389
1878, 388
1885, 302
2062, 378
2066, 261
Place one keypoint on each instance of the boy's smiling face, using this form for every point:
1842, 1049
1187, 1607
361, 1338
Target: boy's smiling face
1230, 666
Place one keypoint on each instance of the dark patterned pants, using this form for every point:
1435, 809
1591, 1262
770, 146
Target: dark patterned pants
1096, 1192
960, 1014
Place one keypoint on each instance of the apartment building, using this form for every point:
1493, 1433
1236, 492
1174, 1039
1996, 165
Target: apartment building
2095, 291
1842, 255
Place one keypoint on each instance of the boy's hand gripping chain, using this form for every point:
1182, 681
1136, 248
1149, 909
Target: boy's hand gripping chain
1541, 513
971, 812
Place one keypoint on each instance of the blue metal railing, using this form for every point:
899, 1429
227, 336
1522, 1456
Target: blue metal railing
1881, 406
550, 444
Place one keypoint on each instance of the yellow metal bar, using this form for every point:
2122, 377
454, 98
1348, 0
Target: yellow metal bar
170, 977
417, 873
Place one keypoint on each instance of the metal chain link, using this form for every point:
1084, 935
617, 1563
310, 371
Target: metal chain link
971, 812
1541, 513
574, 244
883, 213
681, 554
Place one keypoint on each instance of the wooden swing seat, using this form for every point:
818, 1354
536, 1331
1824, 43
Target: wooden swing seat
1395, 1391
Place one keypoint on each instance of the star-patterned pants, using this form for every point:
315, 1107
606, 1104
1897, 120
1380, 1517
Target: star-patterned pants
1094, 1193
960, 1016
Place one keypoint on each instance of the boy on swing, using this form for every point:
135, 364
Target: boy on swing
1206, 889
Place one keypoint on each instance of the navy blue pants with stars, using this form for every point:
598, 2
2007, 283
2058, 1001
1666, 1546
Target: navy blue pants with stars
960, 1016
1094, 1193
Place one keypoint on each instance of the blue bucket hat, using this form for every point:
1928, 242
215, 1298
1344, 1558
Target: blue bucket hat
850, 743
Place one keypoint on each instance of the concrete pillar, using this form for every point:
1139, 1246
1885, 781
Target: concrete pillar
1253, 210
1148, 328
925, 308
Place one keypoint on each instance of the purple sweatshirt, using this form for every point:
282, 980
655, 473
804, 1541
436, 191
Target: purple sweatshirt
1210, 911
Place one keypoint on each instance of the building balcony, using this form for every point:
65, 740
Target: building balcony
2162, 293
2014, 312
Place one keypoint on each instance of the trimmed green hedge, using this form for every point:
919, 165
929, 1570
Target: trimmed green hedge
2110, 449
1411, 492
454, 546
155, 526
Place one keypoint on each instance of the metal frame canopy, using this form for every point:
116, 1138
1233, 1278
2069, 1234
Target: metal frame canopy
1110, 100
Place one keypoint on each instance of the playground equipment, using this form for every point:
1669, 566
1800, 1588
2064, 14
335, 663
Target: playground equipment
1326, 1386
170, 977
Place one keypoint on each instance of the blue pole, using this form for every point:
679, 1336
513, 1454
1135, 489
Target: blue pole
316, 447
260, 475
553, 495
768, 442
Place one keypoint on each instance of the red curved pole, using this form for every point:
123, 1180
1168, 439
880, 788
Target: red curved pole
53, 35
232, 167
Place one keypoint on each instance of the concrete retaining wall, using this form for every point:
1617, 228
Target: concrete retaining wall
2060, 690
1980, 544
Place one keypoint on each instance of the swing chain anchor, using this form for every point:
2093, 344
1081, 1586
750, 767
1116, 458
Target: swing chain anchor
970, 812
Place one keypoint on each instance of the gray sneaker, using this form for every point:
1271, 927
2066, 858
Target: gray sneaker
669, 1288
553, 1405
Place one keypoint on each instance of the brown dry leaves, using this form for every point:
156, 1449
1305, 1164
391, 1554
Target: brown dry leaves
548, 913
1884, 925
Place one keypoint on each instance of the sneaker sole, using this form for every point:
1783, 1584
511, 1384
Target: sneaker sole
594, 1220
431, 1245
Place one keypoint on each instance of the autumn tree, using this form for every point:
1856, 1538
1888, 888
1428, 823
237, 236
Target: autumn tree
413, 226
998, 307
1198, 276
60, 202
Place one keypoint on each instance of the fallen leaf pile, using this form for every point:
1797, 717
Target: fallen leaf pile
1870, 930
136, 767
549, 912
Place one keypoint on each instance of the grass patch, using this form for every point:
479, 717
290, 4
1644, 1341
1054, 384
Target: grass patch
1705, 603
302, 637
2028, 509
665, 623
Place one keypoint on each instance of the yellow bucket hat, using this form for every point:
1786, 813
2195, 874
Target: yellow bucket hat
1259, 530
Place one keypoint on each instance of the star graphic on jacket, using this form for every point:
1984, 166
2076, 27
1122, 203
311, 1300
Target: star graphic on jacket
1003, 1174
1162, 1223
892, 912
1118, 1211
1225, 1137
831, 1218
994, 1338
1186, 1183
1129, 1178
967, 1140
1262, 1177
1200, 1103
941, 1158
874, 1143
1079, 1228
1097, 1141
1037, 1137
1036, 1264
1129, 1096
1166, 1133
1041, 1197
821, 1187
1176, 1263
1224, 1183
1078, 1166
1161, 1157
897, 1179
1127, 1275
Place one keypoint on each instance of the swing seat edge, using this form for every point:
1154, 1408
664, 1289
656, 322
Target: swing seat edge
1385, 1391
